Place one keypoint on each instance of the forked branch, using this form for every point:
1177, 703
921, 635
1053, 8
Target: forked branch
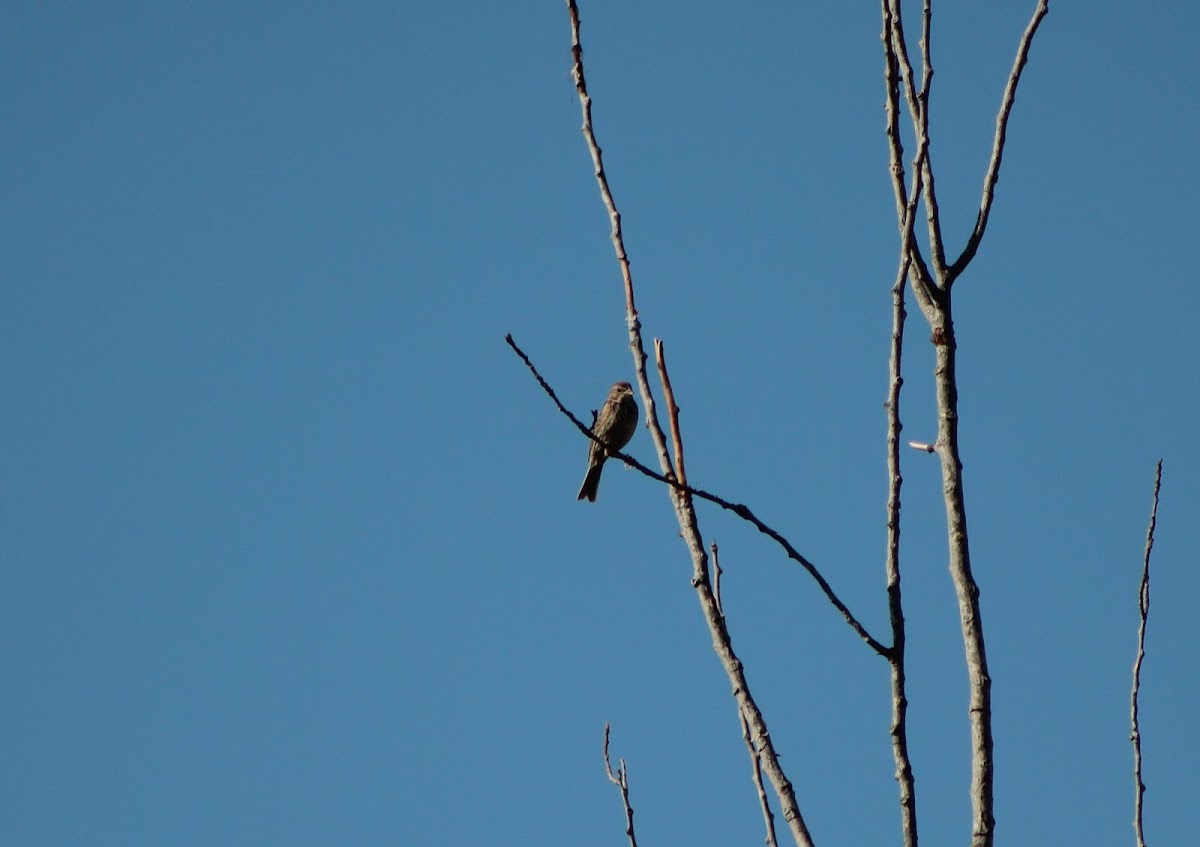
933, 296
621, 780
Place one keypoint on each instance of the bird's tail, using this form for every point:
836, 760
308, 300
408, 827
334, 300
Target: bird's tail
591, 483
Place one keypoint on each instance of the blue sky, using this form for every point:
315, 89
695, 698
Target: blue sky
291, 549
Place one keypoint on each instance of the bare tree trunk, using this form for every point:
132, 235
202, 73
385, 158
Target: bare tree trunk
965, 587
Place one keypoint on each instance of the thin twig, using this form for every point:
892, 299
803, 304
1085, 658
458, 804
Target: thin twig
926, 61
898, 46
933, 214
756, 775
993, 171
621, 780
1144, 611
918, 107
717, 572
739, 509
672, 409
926, 292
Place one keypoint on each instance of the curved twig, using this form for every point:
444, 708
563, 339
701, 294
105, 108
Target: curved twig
993, 171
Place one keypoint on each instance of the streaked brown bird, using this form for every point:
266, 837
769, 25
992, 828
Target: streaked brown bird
615, 425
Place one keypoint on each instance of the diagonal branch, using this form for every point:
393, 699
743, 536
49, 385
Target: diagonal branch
681, 497
618, 240
1135, 734
735, 671
993, 171
738, 509
755, 759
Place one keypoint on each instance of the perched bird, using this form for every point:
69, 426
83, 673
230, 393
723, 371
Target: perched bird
614, 426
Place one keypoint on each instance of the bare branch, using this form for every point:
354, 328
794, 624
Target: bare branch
681, 496
899, 727
923, 286
926, 61
891, 78
933, 296
756, 775
918, 108
672, 409
723, 646
618, 240
932, 213
621, 780
755, 760
993, 171
966, 589
1135, 734
717, 573
738, 509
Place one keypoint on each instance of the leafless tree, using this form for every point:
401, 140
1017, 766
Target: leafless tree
931, 273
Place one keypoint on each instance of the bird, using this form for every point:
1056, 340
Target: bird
614, 425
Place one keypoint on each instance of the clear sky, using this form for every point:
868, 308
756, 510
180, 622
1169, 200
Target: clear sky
291, 552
